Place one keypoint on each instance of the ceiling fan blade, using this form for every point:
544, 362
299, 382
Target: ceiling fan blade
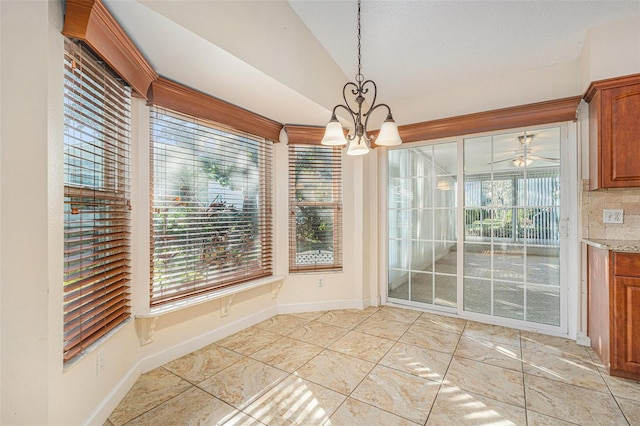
537, 157
502, 161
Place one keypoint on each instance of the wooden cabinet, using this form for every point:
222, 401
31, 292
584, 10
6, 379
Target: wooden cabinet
614, 132
614, 310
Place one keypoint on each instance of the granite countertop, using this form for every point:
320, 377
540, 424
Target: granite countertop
632, 246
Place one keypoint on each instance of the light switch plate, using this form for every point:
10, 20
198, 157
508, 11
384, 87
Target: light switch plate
612, 216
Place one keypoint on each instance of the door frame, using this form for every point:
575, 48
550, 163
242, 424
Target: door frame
569, 235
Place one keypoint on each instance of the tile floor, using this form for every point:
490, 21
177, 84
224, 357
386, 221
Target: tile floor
381, 366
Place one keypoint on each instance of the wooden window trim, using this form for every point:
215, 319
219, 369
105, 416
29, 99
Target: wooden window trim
500, 119
303, 135
546, 112
90, 22
176, 97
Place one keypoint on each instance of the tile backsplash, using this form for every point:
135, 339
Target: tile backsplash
593, 202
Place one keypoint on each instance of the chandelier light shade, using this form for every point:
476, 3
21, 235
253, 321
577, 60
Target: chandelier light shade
359, 140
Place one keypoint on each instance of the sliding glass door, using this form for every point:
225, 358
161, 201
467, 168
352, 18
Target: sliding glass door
511, 226
508, 226
422, 218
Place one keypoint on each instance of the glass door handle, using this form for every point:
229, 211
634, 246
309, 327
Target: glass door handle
564, 227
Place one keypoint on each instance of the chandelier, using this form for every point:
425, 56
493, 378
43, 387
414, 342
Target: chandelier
359, 141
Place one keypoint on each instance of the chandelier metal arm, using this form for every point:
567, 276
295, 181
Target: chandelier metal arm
373, 108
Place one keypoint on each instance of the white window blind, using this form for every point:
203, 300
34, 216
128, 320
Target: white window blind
97, 109
211, 206
315, 199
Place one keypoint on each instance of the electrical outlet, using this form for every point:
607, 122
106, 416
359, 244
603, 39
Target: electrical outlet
612, 216
99, 362
320, 282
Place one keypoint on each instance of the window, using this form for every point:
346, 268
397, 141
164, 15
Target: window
97, 109
315, 198
211, 206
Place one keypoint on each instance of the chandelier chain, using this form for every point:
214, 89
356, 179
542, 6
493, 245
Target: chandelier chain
359, 77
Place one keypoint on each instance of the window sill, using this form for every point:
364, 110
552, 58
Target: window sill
146, 319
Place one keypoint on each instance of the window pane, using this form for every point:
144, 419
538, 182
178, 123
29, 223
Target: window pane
315, 198
211, 206
97, 109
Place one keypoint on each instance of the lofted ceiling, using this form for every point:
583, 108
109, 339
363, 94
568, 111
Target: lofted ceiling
289, 60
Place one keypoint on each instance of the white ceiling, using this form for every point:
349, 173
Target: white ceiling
289, 60
413, 47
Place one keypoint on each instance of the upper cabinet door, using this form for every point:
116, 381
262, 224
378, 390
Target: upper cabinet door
614, 137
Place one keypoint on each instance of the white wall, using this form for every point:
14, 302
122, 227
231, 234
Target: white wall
611, 50
543, 84
23, 201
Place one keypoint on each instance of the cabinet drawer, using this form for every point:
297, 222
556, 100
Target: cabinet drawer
627, 264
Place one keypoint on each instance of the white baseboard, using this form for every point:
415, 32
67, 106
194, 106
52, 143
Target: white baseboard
113, 398
321, 306
582, 339
193, 344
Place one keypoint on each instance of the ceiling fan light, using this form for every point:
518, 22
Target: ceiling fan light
525, 139
521, 162
388, 135
334, 133
358, 147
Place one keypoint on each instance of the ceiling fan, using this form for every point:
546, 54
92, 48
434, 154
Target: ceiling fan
524, 156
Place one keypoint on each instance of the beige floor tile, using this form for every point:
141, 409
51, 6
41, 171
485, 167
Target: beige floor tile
242, 419
397, 392
387, 329
363, 346
203, 363
249, 340
566, 368
489, 352
431, 339
480, 384
194, 406
571, 403
553, 344
295, 401
336, 371
309, 315
595, 358
624, 388
318, 333
454, 406
419, 361
282, 324
344, 318
355, 413
537, 419
243, 382
287, 354
397, 314
441, 322
492, 333
151, 389
486, 380
630, 409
